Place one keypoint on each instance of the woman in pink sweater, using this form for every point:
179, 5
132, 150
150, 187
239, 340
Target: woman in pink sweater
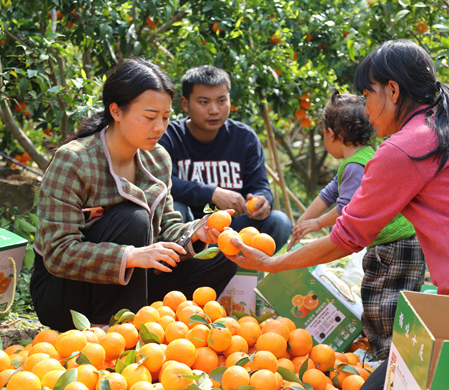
409, 173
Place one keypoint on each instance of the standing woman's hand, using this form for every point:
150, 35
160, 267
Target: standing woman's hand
155, 255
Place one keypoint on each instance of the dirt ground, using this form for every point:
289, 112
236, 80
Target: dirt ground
14, 330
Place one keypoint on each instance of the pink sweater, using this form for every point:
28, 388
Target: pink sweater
394, 183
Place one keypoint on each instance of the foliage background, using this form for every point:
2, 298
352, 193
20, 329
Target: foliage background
54, 55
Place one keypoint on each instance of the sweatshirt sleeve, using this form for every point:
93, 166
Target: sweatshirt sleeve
350, 181
390, 182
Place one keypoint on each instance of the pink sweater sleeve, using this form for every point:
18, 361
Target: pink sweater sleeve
390, 182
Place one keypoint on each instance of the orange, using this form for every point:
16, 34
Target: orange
48, 335
300, 113
250, 331
202, 295
95, 353
175, 330
311, 301
263, 380
32, 360
247, 234
5, 375
353, 359
213, 309
24, 380
173, 376
243, 319
275, 38
272, 342
353, 382
129, 333
224, 242
323, 356
43, 346
298, 361
277, 326
5, 360
264, 360
13, 349
113, 344
315, 378
166, 311
288, 322
142, 386
144, 315
206, 359
297, 300
181, 350
135, 373
165, 320
238, 343
306, 122
219, 220
215, 27
189, 311
87, 375
234, 377
234, 358
292, 385
198, 335
364, 373
155, 356
251, 204
300, 342
279, 379
46, 365
50, 378
157, 330
70, 341
182, 305
116, 381
219, 339
173, 299
265, 243
99, 332
286, 363
421, 27
305, 103
90, 336
341, 357
230, 323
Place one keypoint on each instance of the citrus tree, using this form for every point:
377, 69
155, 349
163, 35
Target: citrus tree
283, 57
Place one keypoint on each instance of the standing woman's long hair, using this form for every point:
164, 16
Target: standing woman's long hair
125, 82
411, 67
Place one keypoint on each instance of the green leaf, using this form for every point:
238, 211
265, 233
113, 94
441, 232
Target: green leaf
31, 73
147, 336
83, 359
197, 318
401, 14
80, 320
288, 375
208, 253
217, 373
69, 376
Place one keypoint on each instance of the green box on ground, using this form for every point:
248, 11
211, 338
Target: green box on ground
12, 252
419, 354
317, 300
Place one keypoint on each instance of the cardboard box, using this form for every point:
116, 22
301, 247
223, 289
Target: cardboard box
316, 300
419, 354
241, 289
12, 247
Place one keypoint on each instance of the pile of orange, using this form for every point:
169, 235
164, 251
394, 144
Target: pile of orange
177, 342
301, 113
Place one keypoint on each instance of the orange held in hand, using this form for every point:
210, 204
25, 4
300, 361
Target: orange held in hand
265, 243
251, 204
219, 220
224, 242
247, 234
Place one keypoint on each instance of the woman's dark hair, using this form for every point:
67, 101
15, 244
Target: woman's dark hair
125, 82
411, 67
205, 74
345, 115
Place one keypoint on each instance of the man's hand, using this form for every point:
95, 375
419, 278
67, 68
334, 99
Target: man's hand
227, 199
262, 207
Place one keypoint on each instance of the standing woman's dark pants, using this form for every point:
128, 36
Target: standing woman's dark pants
124, 224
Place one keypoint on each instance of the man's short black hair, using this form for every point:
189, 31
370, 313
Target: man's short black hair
206, 74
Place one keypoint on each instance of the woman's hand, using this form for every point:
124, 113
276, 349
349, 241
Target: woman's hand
304, 227
155, 255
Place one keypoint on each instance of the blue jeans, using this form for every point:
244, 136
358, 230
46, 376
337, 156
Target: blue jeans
277, 224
